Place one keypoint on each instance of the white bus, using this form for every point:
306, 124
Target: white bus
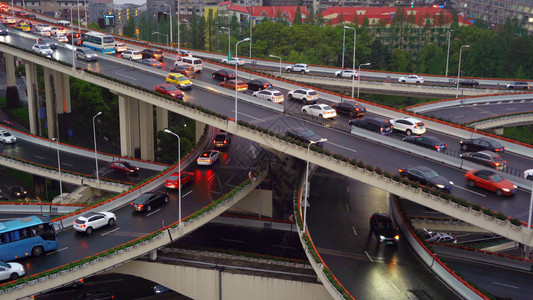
99, 42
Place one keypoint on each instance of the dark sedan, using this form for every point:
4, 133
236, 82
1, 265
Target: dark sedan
170, 90
303, 134
18, 191
481, 144
427, 141
259, 84
427, 176
147, 201
223, 74
184, 69
487, 158
384, 229
151, 62
467, 82
353, 109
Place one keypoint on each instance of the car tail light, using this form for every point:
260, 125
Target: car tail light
497, 164
208, 160
416, 125
437, 147
82, 226
225, 141
401, 171
497, 150
214, 142
131, 203
141, 206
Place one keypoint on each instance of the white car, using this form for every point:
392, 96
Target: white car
119, 48
304, 95
208, 158
61, 38
183, 52
411, 79
11, 270
57, 31
302, 68
439, 237
43, 27
94, 220
319, 110
43, 49
41, 32
132, 55
347, 73
409, 125
270, 95
233, 61
528, 174
6, 137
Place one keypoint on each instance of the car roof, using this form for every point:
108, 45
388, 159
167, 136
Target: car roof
421, 168
381, 216
484, 172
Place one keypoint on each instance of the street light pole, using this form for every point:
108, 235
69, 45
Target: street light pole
459, 68
72, 36
159, 33
250, 35
448, 56
59, 168
178, 26
353, 62
95, 150
237, 76
307, 180
78, 9
359, 77
279, 63
229, 39
179, 173
343, 44
170, 13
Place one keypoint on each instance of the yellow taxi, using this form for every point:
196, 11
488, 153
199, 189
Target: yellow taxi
23, 26
179, 80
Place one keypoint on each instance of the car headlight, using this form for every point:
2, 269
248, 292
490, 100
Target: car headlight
514, 186
396, 237
381, 238
440, 186
505, 190
451, 182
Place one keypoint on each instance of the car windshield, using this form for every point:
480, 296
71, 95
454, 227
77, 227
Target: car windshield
220, 137
496, 178
312, 93
5, 265
431, 174
6, 134
171, 88
385, 224
108, 39
88, 51
495, 144
277, 94
136, 52
44, 47
127, 164
173, 178
308, 133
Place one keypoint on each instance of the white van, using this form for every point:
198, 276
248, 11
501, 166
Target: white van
63, 23
194, 62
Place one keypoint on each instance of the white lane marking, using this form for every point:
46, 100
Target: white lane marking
50, 253
285, 247
354, 232
153, 212
110, 231
227, 161
40, 157
368, 255
459, 116
485, 112
67, 164
345, 148
240, 113
506, 285
233, 241
126, 76
467, 190
511, 108
186, 194
212, 176
395, 287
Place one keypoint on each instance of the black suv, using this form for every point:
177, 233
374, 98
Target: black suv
153, 53
383, 228
305, 135
373, 124
353, 109
481, 144
426, 141
222, 140
147, 201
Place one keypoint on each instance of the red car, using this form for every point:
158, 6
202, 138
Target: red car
124, 167
184, 69
491, 181
170, 90
172, 181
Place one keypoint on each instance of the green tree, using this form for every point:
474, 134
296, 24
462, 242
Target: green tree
297, 16
129, 29
400, 61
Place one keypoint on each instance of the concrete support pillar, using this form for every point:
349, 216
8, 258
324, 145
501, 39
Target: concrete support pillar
152, 255
161, 118
67, 106
199, 130
10, 70
146, 122
33, 98
128, 112
50, 103
58, 91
